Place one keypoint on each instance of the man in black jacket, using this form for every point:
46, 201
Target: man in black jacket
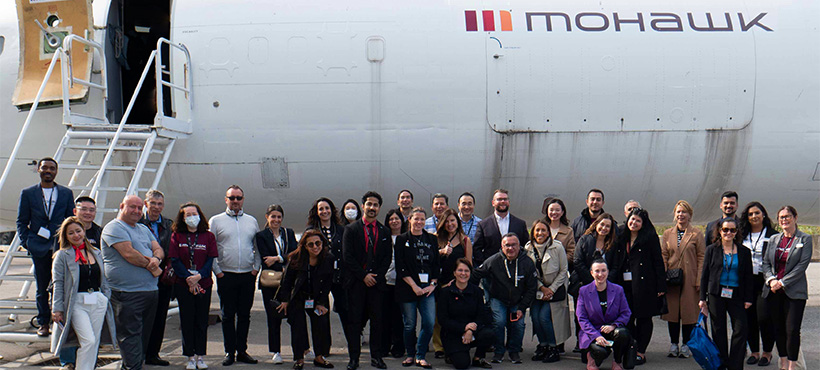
500, 222
595, 207
161, 228
368, 251
728, 207
513, 282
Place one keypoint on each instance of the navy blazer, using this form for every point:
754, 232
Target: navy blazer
31, 216
488, 237
266, 246
357, 262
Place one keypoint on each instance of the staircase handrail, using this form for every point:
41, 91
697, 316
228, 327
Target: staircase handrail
67, 69
158, 69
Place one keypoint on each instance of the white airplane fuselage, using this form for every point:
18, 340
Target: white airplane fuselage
652, 101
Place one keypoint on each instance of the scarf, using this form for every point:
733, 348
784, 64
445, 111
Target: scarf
79, 254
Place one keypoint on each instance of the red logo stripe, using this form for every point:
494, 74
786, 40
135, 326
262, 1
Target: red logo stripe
489, 20
471, 20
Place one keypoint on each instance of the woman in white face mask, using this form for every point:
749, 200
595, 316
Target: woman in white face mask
350, 212
192, 252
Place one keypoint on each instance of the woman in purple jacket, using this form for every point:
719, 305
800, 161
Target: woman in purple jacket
603, 313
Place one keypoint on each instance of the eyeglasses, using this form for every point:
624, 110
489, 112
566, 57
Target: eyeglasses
728, 230
316, 244
84, 209
786, 217
235, 198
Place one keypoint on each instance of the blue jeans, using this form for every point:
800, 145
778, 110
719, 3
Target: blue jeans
68, 355
501, 316
542, 323
426, 308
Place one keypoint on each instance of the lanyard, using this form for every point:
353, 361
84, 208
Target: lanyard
515, 279
755, 243
471, 223
731, 261
191, 246
47, 205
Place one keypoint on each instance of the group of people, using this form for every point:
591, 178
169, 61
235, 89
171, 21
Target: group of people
448, 277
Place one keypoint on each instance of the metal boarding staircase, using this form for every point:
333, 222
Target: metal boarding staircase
89, 148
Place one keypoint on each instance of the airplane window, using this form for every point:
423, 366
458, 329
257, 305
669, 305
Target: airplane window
2, 43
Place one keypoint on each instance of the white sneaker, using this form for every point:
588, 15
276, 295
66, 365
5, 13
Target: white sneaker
684, 351
191, 364
277, 359
309, 355
200, 363
673, 350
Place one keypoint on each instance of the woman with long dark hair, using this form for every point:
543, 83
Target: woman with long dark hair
786, 287
453, 243
304, 292
683, 247
756, 230
350, 212
726, 288
556, 218
640, 265
393, 324
274, 244
192, 252
81, 296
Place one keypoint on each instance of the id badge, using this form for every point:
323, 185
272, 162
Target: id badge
89, 298
308, 303
424, 278
44, 233
628, 276
755, 269
726, 292
335, 265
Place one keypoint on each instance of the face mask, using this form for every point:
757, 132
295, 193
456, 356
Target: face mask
351, 214
192, 221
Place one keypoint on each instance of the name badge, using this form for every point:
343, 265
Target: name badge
424, 278
628, 276
90, 298
335, 265
309, 303
44, 233
755, 269
726, 292
799, 245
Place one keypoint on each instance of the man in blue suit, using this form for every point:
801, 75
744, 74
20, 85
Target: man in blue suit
41, 211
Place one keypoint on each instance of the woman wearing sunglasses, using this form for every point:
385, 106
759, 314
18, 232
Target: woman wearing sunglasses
726, 287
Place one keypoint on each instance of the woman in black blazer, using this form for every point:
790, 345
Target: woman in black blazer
641, 269
274, 243
598, 241
304, 291
755, 230
726, 284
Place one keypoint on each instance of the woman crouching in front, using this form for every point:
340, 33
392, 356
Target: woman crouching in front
80, 298
304, 292
602, 313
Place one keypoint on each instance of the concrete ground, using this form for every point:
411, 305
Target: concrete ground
29, 355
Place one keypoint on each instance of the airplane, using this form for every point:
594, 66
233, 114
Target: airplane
292, 100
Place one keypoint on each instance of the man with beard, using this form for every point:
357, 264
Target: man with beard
595, 207
41, 211
489, 232
367, 250
728, 206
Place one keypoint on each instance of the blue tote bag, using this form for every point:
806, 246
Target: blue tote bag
703, 348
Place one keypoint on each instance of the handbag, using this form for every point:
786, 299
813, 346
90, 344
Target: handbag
631, 354
270, 278
663, 305
559, 295
276, 303
575, 284
674, 277
704, 350
168, 276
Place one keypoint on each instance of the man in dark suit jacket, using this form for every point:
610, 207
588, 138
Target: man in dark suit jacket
161, 228
489, 232
368, 250
41, 211
728, 207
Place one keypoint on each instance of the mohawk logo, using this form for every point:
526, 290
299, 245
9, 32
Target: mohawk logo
488, 18
598, 22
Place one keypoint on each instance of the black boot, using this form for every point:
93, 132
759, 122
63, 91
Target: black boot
540, 353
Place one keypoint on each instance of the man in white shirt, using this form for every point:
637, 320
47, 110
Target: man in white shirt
488, 236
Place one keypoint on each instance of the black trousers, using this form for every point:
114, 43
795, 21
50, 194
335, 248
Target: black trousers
134, 317
158, 330
641, 329
393, 323
42, 277
459, 352
274, 321
340, 305
236, 299
621, 339
193, 320
718, 307
319, 330
364, 303
759, 320
674, 332
787, 315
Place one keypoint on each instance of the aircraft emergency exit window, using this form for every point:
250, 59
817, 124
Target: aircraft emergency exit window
2, 44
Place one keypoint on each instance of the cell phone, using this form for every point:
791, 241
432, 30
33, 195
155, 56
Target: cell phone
513, 317
610, 343
539, 295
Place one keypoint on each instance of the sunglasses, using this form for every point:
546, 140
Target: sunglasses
314, 244
235, 198
728, 230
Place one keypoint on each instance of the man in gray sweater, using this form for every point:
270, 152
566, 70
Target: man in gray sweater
235, 269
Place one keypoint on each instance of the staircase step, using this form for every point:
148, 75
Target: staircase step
109, 168
18, 277
102, 147
82, 119
73, 134
104, 126
107, 188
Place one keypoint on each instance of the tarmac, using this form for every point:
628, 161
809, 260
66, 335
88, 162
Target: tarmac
27, 355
